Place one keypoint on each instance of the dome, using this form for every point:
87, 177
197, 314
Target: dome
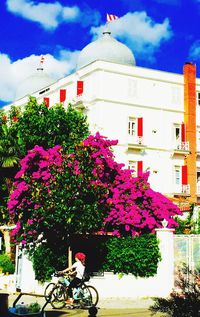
32, 84
108, 49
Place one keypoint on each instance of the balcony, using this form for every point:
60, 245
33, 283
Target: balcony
79, 101
198, 190
181, 148
182, 190
198, 149
135, 142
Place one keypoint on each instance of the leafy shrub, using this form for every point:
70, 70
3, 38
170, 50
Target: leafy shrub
6, 264
138, 256
184, 301
34, 308
47, 260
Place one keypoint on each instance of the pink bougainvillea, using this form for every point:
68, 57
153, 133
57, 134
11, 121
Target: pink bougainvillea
84, 191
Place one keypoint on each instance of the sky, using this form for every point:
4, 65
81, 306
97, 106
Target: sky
162, 34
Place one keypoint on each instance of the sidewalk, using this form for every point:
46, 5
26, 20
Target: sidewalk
109, 307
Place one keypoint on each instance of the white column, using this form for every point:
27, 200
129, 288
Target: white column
165, 272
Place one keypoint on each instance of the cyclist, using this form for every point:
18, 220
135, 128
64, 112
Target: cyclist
77, 272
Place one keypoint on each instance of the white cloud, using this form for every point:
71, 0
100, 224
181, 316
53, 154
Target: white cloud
47, 14
51, 15
13, 73
194, 52
141, 33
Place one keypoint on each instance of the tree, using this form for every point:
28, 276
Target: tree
22, 129
57, 194
47, 127
9, 161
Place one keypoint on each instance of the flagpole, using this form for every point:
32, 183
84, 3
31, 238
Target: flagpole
41, 63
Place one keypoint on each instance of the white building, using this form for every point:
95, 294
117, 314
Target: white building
155, 115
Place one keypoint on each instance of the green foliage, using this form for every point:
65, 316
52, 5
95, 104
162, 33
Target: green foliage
20, 131
34, 308
47, 127
138, 256
188, 224
184, 301
47, 259
6, 264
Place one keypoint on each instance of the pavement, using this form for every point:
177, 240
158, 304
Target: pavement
108, 307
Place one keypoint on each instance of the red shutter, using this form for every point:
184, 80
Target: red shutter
139, 168
184, 175
79, 87
183, 136
46, 102
140, 127
62, 95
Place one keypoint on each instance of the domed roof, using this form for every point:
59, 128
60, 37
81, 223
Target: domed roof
33, 83
108, 49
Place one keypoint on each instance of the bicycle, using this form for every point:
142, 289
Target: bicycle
84, 295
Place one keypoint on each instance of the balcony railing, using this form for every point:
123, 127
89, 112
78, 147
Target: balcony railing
198, 147
186, 189
182, 146
182, 189
198, 189
135, 140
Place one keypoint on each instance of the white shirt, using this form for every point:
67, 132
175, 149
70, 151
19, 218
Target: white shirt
80, 268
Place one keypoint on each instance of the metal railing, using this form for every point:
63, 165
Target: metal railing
198, 189
182, 189
135, 139
186, 189
183, 146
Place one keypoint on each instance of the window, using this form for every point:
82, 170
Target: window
176, 95
198, 139
198, 181
136, 166
180, 137
132, 165
177, 175
177, 133
132, 126
181, 180
132, 88
198, 98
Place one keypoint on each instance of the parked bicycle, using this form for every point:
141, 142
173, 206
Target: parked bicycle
84, 295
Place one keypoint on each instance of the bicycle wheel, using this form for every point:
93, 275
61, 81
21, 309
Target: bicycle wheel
58, 297
90, 296
48, 290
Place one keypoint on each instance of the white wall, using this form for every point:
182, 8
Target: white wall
110, 285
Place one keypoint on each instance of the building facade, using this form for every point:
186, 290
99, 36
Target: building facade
154, 115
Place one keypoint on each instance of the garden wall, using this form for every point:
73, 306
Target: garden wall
111, 285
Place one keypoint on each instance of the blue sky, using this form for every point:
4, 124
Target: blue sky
163, 35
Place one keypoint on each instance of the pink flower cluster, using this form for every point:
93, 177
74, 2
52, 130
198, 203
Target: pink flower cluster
132, 207
35, 170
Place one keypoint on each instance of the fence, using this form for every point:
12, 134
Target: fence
187, 251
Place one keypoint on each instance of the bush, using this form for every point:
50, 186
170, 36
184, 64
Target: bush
34, 308
47, 260
138, 256
184, 301
6, 264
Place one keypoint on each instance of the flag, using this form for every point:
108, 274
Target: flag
41, 60
111, 17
